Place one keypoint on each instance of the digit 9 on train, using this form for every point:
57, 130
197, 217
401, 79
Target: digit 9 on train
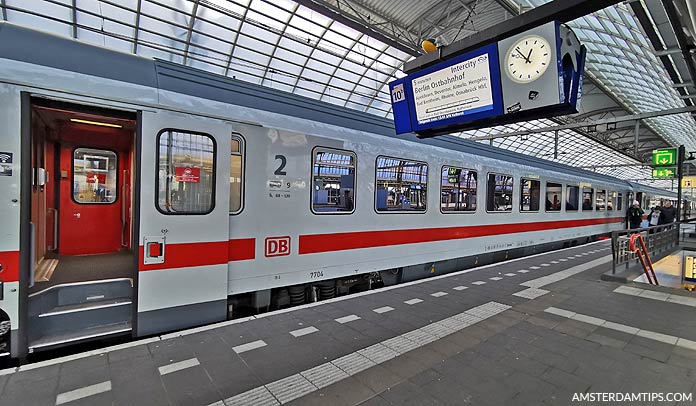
139, 196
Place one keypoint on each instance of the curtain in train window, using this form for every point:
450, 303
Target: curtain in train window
587, 195
457, 189
499, 193
572, 198
530, 192
236, 174
333, 181
401, 185
186, 174
554, 198
94, 176
601, 201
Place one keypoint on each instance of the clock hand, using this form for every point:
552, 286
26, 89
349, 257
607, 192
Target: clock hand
528, 55
522, 55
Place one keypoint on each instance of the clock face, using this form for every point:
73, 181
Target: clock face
528, 59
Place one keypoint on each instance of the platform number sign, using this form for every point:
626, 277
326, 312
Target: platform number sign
397, 93
664, 157
689, 182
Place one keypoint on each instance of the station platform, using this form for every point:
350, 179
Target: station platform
536, 330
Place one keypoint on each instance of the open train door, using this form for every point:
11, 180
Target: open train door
184, 172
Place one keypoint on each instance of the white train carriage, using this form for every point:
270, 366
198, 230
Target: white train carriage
140, 196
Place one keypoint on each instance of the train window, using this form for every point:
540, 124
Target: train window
499, 193
457, 190
601, 200
94, 176
619, 202
572, 197
587, 198
611, 200
236, 174
530, 192
554, 196
401, 185
333, 181
186, 175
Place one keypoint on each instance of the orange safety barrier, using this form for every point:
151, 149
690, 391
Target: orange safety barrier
642, 253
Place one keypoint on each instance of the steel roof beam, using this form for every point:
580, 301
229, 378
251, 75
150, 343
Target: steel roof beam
357, 24
682, 40
556, 10
510, 8
647, 164
189, 31
631, 117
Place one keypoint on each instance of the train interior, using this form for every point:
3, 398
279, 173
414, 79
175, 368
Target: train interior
83, 260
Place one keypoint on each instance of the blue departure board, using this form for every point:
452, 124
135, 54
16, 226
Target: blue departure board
462, 89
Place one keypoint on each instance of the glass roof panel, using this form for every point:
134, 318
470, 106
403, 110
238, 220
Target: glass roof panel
282, 44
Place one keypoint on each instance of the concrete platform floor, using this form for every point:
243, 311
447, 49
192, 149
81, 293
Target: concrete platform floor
539, 330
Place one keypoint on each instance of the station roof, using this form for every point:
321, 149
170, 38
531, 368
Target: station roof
346, 52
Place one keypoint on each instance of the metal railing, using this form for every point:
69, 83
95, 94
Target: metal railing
687, 227
658, 239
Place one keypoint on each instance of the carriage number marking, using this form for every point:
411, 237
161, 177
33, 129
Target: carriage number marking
283, 162
316, 274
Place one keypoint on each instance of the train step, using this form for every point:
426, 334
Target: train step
71, 294
86, 307
71, 337
66, 313
83, 292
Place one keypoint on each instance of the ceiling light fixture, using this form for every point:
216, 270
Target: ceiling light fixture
81, 121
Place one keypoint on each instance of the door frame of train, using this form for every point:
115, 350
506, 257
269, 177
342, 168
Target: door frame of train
135, 217
25, 252
20, 342
184, 290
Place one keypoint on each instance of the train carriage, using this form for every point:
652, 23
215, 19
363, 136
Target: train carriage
141, 196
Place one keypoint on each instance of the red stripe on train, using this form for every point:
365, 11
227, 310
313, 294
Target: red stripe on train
202, 254
315, 243
10, 266
242, 249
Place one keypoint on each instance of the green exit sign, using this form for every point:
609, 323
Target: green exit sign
664, 173
664, 157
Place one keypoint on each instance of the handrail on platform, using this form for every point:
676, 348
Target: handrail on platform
656, 239
642, 253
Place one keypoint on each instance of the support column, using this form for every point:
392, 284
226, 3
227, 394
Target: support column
555, 145
636, 133
680, 164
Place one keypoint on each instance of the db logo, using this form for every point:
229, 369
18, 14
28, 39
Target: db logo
277, 246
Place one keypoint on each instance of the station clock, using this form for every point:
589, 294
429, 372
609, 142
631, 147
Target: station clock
528, 59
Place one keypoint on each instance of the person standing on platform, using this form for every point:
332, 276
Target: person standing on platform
635, 215
668, 213
655, 216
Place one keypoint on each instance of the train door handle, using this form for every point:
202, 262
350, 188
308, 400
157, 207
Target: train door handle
77, 215
153, 250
